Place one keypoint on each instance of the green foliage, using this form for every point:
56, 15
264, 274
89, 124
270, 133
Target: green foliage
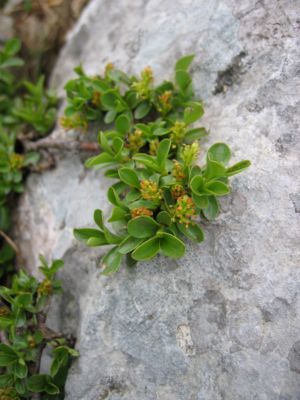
22, 315
24, 107
37, 107
160, 194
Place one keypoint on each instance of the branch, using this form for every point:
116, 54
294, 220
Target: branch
10, 242
48, 143
3, 338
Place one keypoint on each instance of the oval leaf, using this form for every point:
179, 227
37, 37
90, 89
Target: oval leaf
171, 246
197, 185
129, 244
146, 250
193, 232
238, 167
123, 124
217, 188
193, 112
220, 152
163, 151
142, 227
129, 177
142, 110
184, 62
111, 261
212, 209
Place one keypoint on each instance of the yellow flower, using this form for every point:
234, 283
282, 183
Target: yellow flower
16, 161
177, 133
164, 102
135, 140
177, 171
74, 122
184, 210
45, 288
143, 86
150, 190
190, 152
139, 211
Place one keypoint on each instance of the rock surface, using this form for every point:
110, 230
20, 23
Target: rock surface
224, 321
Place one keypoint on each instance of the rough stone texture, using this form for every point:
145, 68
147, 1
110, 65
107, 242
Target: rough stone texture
224, 321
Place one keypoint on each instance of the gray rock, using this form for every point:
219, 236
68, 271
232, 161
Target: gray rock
223, 322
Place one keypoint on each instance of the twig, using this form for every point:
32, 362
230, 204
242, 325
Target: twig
10, 242
3, 338
60, 144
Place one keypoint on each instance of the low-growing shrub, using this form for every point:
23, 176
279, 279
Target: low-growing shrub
25, 108
160, 194
24, 335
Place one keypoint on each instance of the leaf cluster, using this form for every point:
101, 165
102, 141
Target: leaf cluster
22, 315
160, 195
24, 107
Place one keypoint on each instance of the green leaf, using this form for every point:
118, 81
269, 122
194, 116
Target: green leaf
142, 227
238, 167
20, 369
195, 134
219, 152
6, 380
111, 173
23, 300
102, 160
110, 116
163, 151
117, 145
217, 188
192, 231
184, 62
12, 46
114, 198
20, 386
60, 359
98, 218
142, 110
12, 62
96, 241
7, 355
118, 214
6, 322
171, 246
112, 238
103, 142
123, 124
200, 201
130, 177
85, 234
164, 218
129, 244
132, 195
214, 169
148, 161
183, 79
111, 261
146, 250
212, 210
109, 100
37, 383
52, 389
193, 112
197, 185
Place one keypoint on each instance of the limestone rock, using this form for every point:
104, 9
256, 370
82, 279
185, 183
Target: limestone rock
224, 321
